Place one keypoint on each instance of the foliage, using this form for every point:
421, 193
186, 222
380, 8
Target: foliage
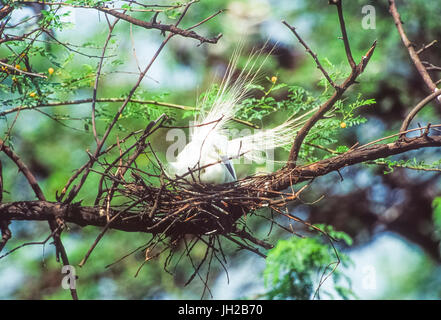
413, 164
297, 267
436, 204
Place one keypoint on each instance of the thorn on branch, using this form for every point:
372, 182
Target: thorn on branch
426, 132
341, 177
365, 59
153, 20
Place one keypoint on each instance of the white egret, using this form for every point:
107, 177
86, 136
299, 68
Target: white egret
207, 157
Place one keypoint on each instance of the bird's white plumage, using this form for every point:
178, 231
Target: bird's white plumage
202, 157
206, 157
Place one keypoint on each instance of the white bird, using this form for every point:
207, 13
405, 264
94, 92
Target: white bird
207, 157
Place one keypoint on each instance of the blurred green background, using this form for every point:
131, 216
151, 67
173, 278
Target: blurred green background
394, 219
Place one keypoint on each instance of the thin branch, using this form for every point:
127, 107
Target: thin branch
416, 109
411, 48
205, 20
100, 100
343, 32
245, 235
403, 166
24, 169
425, 47
22, 71
114, 100
30, 244
98, 73
54, 222
314, 56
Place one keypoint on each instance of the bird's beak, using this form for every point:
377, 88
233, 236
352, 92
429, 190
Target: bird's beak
227, 163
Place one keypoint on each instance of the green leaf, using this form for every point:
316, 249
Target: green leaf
294, 266
436, 205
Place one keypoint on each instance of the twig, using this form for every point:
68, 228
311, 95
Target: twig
341, 19
245, 235
424, 48
22, 71
243, 246
411, 48
24, 169
313, 55
30, 244
114, 100
416, 109
98, 73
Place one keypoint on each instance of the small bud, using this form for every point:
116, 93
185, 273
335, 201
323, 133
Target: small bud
273, 79
50, 71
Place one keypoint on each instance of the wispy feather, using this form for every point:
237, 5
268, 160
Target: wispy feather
209, 147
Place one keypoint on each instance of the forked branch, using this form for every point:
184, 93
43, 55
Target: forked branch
356, 70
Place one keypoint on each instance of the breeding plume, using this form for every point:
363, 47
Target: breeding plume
208, 157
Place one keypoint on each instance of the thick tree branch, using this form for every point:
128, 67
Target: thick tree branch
288, 176
282, 179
